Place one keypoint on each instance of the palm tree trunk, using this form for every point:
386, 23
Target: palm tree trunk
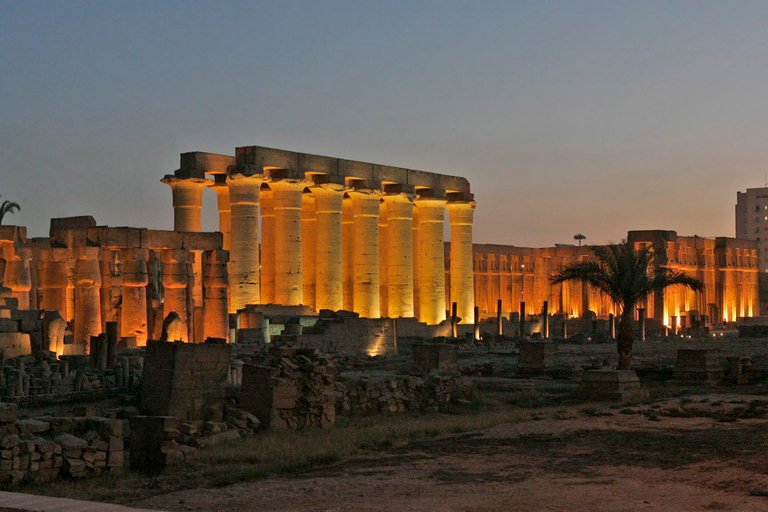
624, 339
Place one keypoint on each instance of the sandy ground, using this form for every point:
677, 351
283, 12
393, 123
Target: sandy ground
568, 460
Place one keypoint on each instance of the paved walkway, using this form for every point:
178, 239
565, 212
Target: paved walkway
29, 502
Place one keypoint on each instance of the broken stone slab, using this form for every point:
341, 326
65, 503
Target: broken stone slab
70, 442
32, 426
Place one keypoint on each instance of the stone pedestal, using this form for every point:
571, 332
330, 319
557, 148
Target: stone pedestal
699, 366
535, 358
433, 356
611, 385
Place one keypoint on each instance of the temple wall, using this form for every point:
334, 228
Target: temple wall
727, 267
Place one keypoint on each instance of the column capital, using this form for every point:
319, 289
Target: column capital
331, 189
244, 189
191, 182
461, 212
289, 185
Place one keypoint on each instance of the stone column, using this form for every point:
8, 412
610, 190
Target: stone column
133, 316
17, 274
187, 201
87, 295
460, 214
244, 268
289, 285
215, 282
54, 279
365, 240
431, 283
399, 268
221, 188
329, 274
175, 283
309, 249
267, 247
348, 253
416, 241
383, 261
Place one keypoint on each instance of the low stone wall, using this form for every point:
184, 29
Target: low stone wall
44, 449
361, 396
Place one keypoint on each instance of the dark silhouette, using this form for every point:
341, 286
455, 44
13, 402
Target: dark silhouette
8, 207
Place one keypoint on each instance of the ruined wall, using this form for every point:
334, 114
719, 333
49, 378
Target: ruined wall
185, 380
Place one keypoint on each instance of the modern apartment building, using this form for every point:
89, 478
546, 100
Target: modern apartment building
752, 221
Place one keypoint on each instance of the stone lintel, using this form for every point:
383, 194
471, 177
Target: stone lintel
282, 164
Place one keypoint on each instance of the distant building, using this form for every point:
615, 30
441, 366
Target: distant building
752, 220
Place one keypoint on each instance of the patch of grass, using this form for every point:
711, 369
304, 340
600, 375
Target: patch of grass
285, 452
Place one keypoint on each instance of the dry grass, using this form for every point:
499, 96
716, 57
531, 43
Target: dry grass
275, 453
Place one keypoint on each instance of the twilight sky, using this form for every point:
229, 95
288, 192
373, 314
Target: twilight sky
566, 117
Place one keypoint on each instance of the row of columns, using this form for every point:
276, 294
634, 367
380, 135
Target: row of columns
378, 254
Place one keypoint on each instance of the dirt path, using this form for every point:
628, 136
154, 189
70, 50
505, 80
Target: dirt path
566, 461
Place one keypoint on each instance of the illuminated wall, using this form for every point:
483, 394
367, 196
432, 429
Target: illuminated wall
727, 266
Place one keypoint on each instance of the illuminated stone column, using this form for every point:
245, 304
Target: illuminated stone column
289, 285
416, 241
348, 253
365, 209
87, 295
244, 269
215, 282
17, 274
54, 280
329, 270
399, 266
460, 215
267, 247
133, 316
431, 283
308, 249
175, 284
187, 201
383, 261
221, 188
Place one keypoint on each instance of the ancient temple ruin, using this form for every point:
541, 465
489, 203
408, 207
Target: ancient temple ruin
333, 234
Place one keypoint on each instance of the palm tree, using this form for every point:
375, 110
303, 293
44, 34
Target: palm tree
8, 207
626, 276
579, 237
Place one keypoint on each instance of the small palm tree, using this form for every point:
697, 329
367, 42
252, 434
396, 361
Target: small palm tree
8, 207
579, 237
626, 276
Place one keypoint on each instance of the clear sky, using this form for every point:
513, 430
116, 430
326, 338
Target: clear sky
566, 117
